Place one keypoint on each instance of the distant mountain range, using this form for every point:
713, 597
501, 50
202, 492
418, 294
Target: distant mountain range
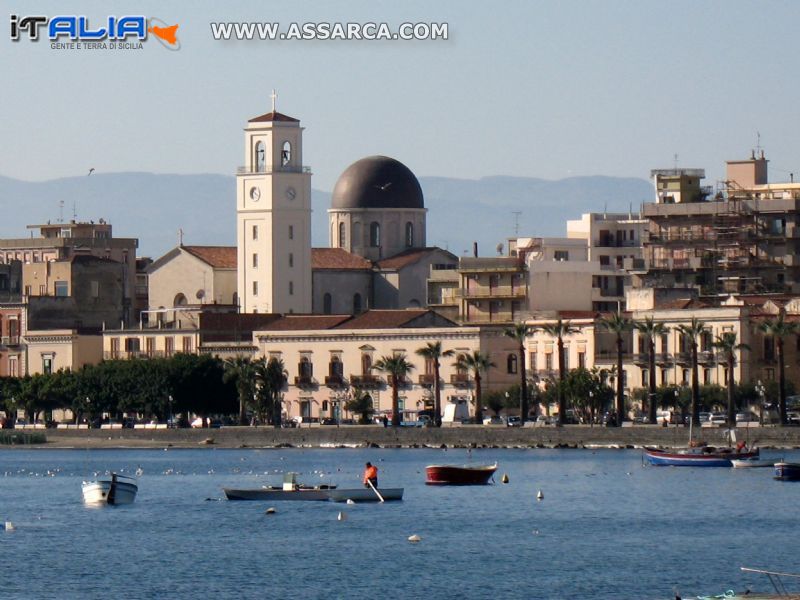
460, 211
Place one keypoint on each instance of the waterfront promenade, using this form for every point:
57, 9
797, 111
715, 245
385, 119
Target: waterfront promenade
572, 436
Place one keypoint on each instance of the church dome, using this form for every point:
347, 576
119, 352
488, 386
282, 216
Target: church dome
377, 182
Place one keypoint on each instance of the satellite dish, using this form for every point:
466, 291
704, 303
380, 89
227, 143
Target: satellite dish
200, 294
500, 248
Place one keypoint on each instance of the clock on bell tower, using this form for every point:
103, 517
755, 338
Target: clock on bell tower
273, 217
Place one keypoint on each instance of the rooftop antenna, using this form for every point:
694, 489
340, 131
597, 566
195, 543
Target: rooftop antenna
60, 211
675, 159
180, 237
758, 143
517, 214
274, 97
74, 210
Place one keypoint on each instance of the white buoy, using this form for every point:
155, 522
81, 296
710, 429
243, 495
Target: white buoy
539, 495
10, 526
139, 471
341, 516
414, 538
350, 501
270, 511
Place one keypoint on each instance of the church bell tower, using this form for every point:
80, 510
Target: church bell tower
273, 218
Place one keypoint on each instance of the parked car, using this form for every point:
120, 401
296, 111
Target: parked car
514, 421
546, 420
495, 420
718, 419
746, 417
793, 418
705, 417
329, 421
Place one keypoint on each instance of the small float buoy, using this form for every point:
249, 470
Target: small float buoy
539, 495
270, 511
139, 471
9, 526
341, 516
414, 538
504, 478
350, 501
535, 532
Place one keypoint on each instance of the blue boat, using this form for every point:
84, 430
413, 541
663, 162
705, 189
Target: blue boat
702, 456
787, 471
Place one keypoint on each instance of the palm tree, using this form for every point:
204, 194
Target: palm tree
727, 345
433, 351
651, 330
559, 330
779, 329
692, 332
477, 363
619, 326
271, 377
398, 368
241, 371
519, 332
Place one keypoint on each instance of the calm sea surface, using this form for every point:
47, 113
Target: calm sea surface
607, 527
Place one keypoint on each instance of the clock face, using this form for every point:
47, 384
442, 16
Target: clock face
255, 194
291, 194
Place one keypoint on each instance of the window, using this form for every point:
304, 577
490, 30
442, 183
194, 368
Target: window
186, 344
169, 346
409, 235
150, 346
47, 364
644, 377
336, 367
511, 363
706, 376
769, 348
327, 302
581, 360
42, 290
62, 288
291, 288
114, 347
255, 260
548, 361
286, 154
532, 361
291, 259
374, 234
132, 345
255, 288
255, 232
305, 368
356, 304
291, 232
561, 255
260, 158
366, 364
685, 377
180, 300
341, 235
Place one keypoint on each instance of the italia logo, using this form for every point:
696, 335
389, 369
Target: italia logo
128, 29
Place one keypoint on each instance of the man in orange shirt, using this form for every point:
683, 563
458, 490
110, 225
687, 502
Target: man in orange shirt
370, 475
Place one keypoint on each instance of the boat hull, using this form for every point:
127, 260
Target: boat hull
787, 471
459, 474
695, 457
751, 463
310, 494
365, 495
109, 492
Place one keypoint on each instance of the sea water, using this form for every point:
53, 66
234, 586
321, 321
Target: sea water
607, 527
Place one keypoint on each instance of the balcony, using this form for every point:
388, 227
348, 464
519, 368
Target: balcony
427, 379
304, 381
401, 381
10, 340
334, 381
460, 379
365, 381
501, 291
664, 359
254, 170
130, 354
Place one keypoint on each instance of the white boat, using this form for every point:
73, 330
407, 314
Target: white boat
112, 490
749, 463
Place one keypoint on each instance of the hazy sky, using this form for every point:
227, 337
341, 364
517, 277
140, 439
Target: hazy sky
540, 89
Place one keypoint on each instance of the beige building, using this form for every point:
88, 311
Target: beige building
62, 349
328, 357
193, 275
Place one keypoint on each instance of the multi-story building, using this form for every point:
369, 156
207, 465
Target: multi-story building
743, 238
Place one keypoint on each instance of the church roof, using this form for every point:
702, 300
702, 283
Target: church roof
273, 116
410, 256
391, 319
338, 259
377, 182
221, 257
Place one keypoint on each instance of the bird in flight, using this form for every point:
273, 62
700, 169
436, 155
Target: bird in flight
384, 187
91, 171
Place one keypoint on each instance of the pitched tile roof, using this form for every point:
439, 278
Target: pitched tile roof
303, 322
682, 304
221, 257
408, 257
384, 319
273, 116
337, 259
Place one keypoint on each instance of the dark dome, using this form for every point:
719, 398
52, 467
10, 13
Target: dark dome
377, 182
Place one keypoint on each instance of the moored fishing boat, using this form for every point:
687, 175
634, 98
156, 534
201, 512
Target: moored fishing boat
751, 463
701, 456
290, 490
113, 490
786, 471
459, 474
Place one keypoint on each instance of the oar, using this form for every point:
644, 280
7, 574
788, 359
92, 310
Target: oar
374, 489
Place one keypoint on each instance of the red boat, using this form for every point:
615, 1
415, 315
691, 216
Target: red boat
459, 474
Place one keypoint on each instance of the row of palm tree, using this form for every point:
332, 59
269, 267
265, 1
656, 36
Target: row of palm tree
618, 324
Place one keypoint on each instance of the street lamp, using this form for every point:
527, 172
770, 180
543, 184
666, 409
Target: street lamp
591, 408
760, 391
171, 422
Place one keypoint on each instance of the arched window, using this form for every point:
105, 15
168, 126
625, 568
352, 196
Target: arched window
260, 161
356, 303
305, 368
366, 364
414, 303
335, 367
511, 363
327, 304
355, 234
374, 234
460, 370
180, 300
341, 235
409, 235
286, 154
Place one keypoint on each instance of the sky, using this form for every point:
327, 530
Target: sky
533, 89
